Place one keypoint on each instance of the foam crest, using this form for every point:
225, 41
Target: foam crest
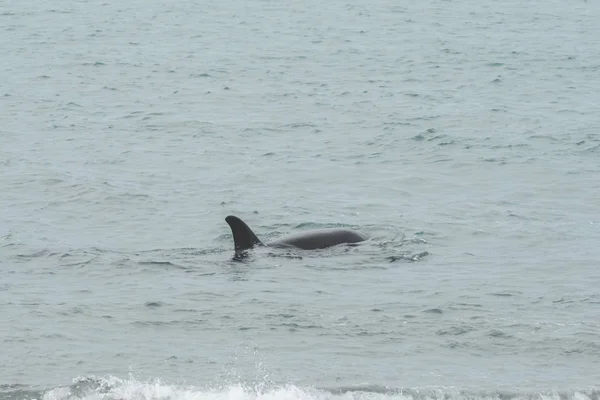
117, 389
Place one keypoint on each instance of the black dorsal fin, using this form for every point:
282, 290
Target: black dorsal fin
243, 237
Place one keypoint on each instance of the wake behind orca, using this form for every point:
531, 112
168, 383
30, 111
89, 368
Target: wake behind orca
245, 239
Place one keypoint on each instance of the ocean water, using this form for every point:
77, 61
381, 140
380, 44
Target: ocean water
462, 137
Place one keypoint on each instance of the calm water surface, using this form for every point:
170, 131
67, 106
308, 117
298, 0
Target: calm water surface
463, 137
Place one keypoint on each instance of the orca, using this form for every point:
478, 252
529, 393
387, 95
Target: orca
244, 238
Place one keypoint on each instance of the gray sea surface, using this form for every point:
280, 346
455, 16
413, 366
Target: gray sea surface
462, 136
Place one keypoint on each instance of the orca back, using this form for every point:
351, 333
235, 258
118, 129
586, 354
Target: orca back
320, 239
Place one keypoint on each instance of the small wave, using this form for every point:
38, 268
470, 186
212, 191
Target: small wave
408, 257
506, 293
166, 264
154, 304
35, 254
158, 263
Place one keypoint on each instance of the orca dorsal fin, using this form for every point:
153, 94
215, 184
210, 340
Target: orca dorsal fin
243, 237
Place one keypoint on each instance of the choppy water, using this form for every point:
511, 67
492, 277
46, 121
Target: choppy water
463, 137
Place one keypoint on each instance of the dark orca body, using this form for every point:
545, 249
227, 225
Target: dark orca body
245, 239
